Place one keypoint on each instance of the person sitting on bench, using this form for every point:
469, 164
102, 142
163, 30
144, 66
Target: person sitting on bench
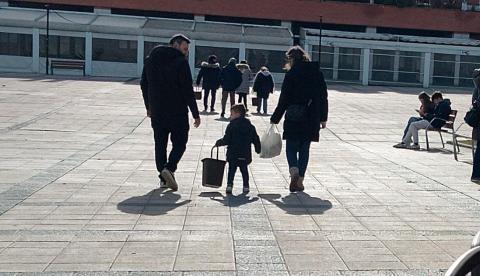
435, 120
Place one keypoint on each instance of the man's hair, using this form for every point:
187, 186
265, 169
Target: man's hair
212, 59
179, 38
239, 108
424, 96
437, 95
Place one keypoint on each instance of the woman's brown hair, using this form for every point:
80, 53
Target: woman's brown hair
296, 54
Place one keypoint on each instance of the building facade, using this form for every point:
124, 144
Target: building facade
394, 42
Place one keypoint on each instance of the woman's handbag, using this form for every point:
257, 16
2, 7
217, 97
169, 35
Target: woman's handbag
198, 93
255, 101
472, 117
297, 112
271, 143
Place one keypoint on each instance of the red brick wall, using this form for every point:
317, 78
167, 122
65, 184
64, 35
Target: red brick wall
308, 10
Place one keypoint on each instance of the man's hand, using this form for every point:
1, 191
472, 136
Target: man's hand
149, 115
197, 122
323, 124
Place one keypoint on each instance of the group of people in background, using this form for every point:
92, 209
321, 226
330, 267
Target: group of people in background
234, 79
168, 94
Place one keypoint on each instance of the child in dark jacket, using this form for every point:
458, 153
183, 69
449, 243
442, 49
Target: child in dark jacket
239, 136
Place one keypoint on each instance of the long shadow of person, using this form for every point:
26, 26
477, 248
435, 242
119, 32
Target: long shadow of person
298, 203
153, 203
229, 200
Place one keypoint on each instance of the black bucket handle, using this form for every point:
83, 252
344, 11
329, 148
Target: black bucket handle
211, 152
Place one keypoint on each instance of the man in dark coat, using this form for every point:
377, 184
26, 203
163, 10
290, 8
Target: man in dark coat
303, 100
230, 79
167, 89
239, 137
209, 75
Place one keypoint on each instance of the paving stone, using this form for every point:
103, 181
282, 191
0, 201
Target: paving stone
79, 191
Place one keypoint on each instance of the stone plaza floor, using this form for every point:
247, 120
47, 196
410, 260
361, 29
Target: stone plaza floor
79, 190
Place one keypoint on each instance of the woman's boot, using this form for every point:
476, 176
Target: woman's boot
300, 186
294, 177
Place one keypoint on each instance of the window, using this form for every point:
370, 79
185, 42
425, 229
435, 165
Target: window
326, 61
349, 64
443, 69
467, 65
410, 65
383, 63
149, 45
114, 50
63, 47
12, 44
274, 60
223, 54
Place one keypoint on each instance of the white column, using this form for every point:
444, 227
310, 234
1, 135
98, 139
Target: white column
308, 49
191, 56
140, 54
287, 24
427, 62
88, 53
102, 11
371, 30
366, 66
242, 52
36, 51
456, 81
336, 61
396, 65
199, 18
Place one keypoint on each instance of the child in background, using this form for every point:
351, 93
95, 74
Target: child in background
239, 136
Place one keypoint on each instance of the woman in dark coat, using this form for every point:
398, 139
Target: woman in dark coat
303, 100
210, 74
476, 159
264, 86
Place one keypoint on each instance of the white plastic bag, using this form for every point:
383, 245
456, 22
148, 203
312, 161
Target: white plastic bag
271, 143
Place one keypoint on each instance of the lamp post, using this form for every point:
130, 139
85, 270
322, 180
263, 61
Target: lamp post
320, 44
47, 41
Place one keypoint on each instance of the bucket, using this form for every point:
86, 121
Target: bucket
213, 170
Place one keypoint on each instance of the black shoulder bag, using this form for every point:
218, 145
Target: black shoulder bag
297, 112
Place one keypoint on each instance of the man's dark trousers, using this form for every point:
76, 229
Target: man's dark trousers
177, 128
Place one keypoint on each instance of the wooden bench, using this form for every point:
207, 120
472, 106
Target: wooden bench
67, 64
448, 128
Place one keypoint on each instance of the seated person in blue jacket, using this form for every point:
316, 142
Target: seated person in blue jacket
239, 137
436, 119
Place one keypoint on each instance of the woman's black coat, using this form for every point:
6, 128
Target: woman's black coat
302, 84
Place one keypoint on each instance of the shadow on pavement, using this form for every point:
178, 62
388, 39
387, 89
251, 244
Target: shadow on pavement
154, 203
229, 200
298, 203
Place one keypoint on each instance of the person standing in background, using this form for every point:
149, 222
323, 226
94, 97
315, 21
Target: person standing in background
209, 75
244, 89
